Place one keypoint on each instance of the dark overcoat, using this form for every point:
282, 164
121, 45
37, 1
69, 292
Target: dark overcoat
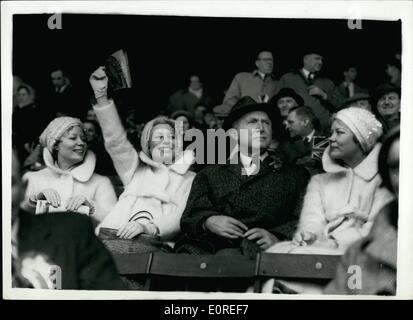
270, 199
68, 241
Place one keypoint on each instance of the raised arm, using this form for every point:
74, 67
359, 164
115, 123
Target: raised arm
124, 156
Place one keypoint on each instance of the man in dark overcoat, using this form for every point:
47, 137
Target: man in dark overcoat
250, 202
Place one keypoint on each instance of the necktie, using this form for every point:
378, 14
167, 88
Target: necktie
263, 98
348, 90
307, 142
311, 76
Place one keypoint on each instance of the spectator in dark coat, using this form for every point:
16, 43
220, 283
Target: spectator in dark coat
68, 241
251, 201
187, 99
104, 164
64, 100
306, 144
347, 88
316, 91
28, 122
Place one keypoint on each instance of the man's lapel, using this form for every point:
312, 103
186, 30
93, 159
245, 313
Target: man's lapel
302, 75
234, 166
265, 166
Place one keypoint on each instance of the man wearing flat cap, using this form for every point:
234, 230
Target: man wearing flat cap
221, 112
316, 90
249, 202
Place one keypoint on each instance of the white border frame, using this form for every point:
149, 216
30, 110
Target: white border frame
370, 10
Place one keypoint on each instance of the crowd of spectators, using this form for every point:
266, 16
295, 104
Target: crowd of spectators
300, 171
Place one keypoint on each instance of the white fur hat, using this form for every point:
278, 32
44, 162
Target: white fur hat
363, 124
56, 128
148, 130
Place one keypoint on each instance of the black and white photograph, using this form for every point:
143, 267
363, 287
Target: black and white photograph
248, 150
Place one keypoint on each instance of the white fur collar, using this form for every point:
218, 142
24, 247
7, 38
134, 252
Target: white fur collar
180, 166
83, 172
367, 169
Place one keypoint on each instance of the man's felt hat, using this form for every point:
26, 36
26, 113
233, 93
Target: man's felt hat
246, 105
287, 92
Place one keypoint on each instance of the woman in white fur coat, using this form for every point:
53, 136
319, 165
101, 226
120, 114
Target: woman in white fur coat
340, 205
68, 182
157, 180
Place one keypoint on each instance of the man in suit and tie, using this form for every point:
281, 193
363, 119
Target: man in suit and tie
316, 90
347, 89
243, 203
306, 142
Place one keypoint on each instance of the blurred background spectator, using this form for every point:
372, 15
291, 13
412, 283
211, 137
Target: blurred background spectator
63, 98
28, 121
187, 99
104, 164
387, 106
260, 84
394, 71
358, 100
220, 112
348, 88
312, 86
